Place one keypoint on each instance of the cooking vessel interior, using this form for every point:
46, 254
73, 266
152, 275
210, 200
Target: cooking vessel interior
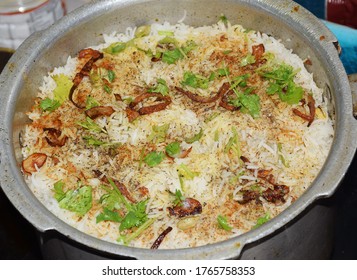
298, 30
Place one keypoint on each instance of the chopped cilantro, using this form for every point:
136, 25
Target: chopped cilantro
186, 173
195, 81
161, 87
249, 59
173, 149
165, 33
91, 102
49, 105
211, 117
195, 137
154, 158
115, 48
223, 223
281, 157
281, 81
91, 125
108, 215
223, 18
78, 201
111, 76
158, 133
178, 197
92, 141
171, 56
234, 144
126, 239
223, 72
227, 52
64, 85
58, 189
135, 217
262, 220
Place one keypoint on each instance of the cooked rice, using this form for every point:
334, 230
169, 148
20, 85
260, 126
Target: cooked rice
222, 175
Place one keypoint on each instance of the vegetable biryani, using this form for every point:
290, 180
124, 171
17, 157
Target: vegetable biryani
172, 136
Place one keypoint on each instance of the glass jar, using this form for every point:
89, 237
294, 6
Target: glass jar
20, 18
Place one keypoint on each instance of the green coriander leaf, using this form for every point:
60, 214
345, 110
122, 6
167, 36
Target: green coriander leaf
112, 199
91, 125
64, 85
115, 48
224, 19
78, 201
111, 76
165, 33
154, 158
94, 142
194, 138
223, 72
178, 197
107, 88
171, 56
186, 173
58, 189
91, 102
108, 215
234, 145
281, 73
281, 156
273, 88
250, 104
262, 220
158, 133
49, 105
249, 59
126, 239
173, 149
169, 40
161, 87
227, 52
135, 217
212, 76
216, 136
195, 81
211, 117
223, 223
189, 46
239, 81
293, 93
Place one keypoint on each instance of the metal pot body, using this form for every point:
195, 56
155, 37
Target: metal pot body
298, 30
308, 237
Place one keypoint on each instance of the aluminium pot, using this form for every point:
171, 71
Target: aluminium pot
303, 231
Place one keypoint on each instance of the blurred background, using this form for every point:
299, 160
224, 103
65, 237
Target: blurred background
20, 18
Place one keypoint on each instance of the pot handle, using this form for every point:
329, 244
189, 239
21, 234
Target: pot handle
353, 83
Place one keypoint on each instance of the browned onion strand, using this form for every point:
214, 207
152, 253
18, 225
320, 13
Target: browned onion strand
94, 56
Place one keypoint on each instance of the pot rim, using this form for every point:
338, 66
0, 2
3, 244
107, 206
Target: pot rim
343, 147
